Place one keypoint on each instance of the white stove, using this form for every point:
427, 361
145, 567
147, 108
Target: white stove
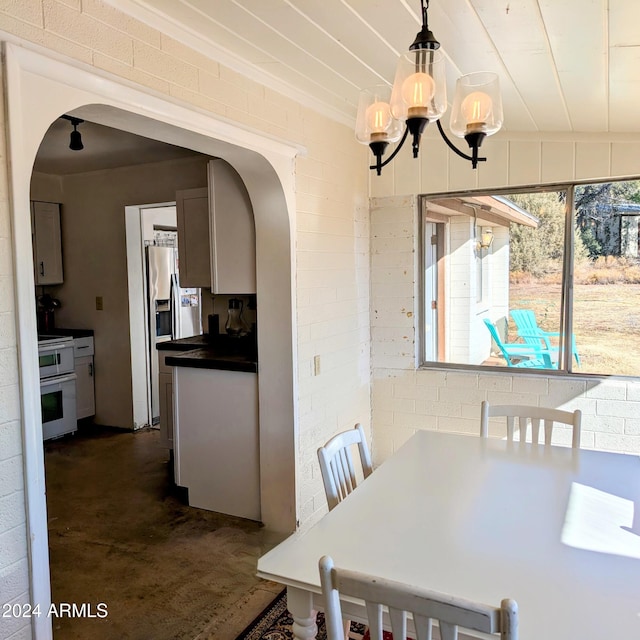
57, 385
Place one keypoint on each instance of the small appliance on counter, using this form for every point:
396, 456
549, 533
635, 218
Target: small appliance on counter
213, 327
235, 325
45, 311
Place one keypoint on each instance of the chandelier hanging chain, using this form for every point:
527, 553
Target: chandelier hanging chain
425, 6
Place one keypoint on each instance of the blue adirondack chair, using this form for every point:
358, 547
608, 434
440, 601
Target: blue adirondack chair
531, 333
520, 354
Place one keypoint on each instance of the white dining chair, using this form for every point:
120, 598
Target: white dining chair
519, 417
403, 603
336, 464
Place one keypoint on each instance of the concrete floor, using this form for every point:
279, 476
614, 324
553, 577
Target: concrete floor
120, 535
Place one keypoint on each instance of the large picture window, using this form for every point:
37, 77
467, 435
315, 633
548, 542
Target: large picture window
538, 279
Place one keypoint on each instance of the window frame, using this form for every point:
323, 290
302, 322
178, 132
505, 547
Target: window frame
565, 366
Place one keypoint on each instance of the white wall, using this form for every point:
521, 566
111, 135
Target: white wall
95, 264
405, 399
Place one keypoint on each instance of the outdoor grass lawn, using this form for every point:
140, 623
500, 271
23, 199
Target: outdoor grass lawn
606, 322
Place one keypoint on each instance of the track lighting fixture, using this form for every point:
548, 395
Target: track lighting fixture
75, 139
419, 96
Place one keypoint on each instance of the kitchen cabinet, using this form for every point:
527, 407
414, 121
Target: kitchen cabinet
47, 243
233, 235
216, 234
217, 450
194, 253
83, 353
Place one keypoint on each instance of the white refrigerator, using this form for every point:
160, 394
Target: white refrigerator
173, 312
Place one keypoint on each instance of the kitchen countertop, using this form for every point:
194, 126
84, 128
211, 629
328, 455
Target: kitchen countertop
74, 333
182, 344
224, 353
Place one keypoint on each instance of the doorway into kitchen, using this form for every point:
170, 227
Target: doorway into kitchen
269, 182
152, 268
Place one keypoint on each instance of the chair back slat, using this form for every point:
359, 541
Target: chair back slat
423, 626
402, 601
398, 618
448, 631
535, 430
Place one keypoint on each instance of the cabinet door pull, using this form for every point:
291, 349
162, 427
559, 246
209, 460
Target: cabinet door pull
41, 268
91, 369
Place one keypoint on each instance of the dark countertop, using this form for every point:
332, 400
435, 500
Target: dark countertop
224, 353
182, 344
74, 333
209, 359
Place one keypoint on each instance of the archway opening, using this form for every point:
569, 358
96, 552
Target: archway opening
266, 169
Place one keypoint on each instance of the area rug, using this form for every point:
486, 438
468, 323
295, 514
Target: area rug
274, 623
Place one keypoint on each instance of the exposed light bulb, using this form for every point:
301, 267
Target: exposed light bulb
417, 92
379, 119
476, 109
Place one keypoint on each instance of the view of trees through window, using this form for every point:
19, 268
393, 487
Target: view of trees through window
517, 320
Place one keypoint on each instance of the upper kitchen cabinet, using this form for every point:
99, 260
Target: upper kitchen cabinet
216, 234
47, 244
194, 253
233, 233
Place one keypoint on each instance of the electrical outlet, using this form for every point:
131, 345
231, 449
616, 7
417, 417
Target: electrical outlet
316, 365
99, 303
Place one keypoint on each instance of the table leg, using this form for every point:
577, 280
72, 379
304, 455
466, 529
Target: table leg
300, 605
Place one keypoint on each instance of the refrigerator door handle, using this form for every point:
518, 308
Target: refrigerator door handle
176, 329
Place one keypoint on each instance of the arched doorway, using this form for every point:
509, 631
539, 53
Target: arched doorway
266, 167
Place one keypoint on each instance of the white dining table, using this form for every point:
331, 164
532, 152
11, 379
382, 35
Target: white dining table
556, 529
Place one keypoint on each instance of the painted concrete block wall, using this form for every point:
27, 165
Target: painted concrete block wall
14, 579
499, 272
461, 286
404, 398
331, 236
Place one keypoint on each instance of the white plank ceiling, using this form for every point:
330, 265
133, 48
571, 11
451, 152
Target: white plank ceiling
564, 65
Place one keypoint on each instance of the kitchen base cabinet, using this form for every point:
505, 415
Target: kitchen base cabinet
83, 352
216, 443
85, 393
165, 395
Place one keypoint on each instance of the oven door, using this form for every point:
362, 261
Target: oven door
55, 359
58, 401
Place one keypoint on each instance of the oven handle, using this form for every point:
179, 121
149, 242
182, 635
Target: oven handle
54, 346
69, 377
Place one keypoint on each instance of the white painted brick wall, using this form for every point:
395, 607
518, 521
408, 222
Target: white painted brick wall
14, 576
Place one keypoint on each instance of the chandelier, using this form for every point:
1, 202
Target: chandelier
419, 96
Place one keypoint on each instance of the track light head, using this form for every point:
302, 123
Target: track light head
75, 139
